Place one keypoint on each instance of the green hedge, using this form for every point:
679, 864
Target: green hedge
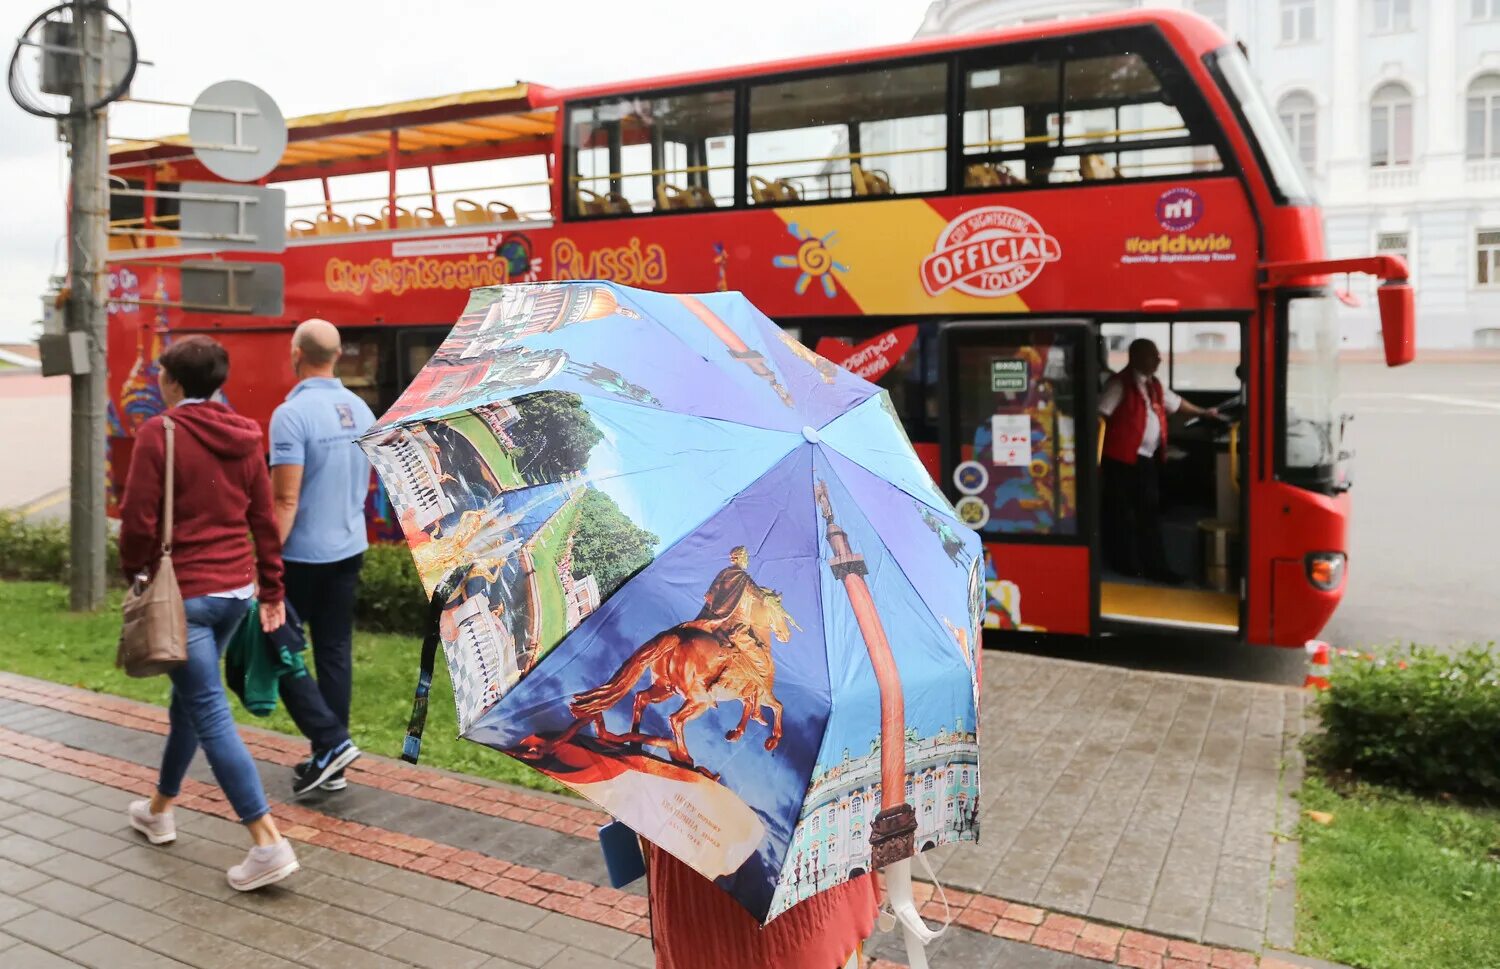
391, 599
1418, 718
39, 550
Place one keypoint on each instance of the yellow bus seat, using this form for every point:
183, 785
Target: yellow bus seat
869, 182
981, 175
302, 227
468, 212
699, 197
427, 215
404, 218
1095, 168
590, 203
364, 222
330, 224
500, 212
763, 191
617, 204
786, 191
671, 198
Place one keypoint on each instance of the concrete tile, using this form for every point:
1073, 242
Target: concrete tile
132, 888
49, 930
24, 955
344, 925
581, 959
210, 854
13, 908
98, 818
498, 911
17, 878
587, 935
640, 954
349, 867
1232, 936
106, 952
199, 948
19, 770
411, 884
24, 849
127, 922
76, 868
337, 891
519, 947
65, 898
272, 934
334, 954
43, 827
49, 802
150, 860
1117, 912
495, 962
422, 917
430, 953
95, 844
63, 783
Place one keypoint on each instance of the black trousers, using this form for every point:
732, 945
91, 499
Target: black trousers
323, 595
310, 712
1132, 517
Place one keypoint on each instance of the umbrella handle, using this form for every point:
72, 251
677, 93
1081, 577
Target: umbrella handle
904, 906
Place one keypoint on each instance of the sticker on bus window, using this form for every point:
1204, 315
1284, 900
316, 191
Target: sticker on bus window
1009, 376
973, 512
1010, 440
971, 477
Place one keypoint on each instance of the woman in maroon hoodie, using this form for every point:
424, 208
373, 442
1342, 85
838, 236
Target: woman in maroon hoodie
222, 493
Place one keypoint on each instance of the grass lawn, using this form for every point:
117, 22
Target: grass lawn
1398, 882
40, 638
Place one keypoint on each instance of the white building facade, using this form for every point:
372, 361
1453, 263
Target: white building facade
1393, 107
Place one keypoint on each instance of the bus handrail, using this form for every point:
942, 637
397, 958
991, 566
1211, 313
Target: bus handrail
690, 169
424, 193
1039, 139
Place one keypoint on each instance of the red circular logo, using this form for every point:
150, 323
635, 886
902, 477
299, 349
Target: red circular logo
992, 251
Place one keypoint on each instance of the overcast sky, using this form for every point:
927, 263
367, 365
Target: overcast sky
318, 55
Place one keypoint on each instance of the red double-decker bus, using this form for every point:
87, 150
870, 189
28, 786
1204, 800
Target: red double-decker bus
980, 223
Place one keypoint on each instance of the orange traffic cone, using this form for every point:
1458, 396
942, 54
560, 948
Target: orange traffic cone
1317, 665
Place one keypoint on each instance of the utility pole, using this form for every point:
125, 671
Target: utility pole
88, 289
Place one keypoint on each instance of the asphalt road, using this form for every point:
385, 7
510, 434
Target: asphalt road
1425, 532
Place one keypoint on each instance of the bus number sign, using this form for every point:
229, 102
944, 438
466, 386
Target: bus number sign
1008, 376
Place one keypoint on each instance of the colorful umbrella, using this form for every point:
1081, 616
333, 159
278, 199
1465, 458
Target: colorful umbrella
695, 572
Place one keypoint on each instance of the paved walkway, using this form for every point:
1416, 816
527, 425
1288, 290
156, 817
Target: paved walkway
491, 873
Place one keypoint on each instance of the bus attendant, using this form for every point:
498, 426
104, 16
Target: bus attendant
1135, 406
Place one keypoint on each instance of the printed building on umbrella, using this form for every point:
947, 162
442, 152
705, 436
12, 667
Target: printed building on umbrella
528, 311
832, 842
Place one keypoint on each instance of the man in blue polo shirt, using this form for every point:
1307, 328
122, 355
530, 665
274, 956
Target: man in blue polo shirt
319, 478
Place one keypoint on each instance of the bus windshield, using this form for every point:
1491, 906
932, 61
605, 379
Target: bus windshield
1282, 168
1311, 357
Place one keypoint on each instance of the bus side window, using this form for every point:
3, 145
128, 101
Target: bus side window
1115, 103
639, 155
863, 134
1010, 113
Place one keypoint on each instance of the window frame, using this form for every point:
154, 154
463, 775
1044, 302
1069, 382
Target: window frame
1190, 98
1493, 249
1393, 24
1492, 11
1323, 478
1490, 108
1391, 104
1297, 8
1307, 111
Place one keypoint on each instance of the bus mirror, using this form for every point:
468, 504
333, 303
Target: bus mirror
1398, 322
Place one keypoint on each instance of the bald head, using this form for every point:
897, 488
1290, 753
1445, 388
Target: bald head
315, 346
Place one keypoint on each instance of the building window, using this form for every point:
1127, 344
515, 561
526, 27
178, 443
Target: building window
1299, 116
1392, 15
1482, 127
1484, 9
1487, 248
1396, 244
1299, 21
1215, 10
1390, 126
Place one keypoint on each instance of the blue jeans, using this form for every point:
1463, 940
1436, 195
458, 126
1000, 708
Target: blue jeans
200, 712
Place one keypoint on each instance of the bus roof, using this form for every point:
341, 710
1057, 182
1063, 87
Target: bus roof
485, 117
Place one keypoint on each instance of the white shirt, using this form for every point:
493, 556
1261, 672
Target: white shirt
245, 591
1151, 438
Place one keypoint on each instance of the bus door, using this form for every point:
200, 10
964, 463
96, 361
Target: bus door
1017, 455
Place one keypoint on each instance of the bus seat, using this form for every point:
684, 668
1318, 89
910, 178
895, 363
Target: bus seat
118, 242
981, 175
786, 191
168, 241
468, 212
364, 222
404, 218
671, 198
330, 224
590, 203
1095, 168
617, 204
427, 215
762, 191
302, 227
699, 197
500, 212
869, 182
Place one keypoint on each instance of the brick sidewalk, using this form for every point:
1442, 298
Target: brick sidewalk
419, 820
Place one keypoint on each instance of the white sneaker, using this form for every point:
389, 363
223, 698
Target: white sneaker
264, 866
159, 829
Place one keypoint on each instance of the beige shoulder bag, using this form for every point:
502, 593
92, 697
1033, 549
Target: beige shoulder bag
153, 637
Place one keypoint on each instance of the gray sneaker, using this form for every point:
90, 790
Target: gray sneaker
159, 829
264, 866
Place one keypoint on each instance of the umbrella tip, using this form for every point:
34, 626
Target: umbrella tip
811, 434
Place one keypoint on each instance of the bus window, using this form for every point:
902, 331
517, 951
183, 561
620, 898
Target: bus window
1010, 110
636, 155
871, 133
1205, 356
1310, 421
1117, 100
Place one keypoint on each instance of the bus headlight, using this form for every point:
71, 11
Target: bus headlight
1325, 570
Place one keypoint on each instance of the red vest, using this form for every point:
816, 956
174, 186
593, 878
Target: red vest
1124, 429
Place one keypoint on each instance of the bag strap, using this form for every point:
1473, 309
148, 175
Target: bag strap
168, 499
411, 747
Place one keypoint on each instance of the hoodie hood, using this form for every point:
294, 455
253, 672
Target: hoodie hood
224, 433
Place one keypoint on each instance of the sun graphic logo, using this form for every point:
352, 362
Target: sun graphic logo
813, 259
